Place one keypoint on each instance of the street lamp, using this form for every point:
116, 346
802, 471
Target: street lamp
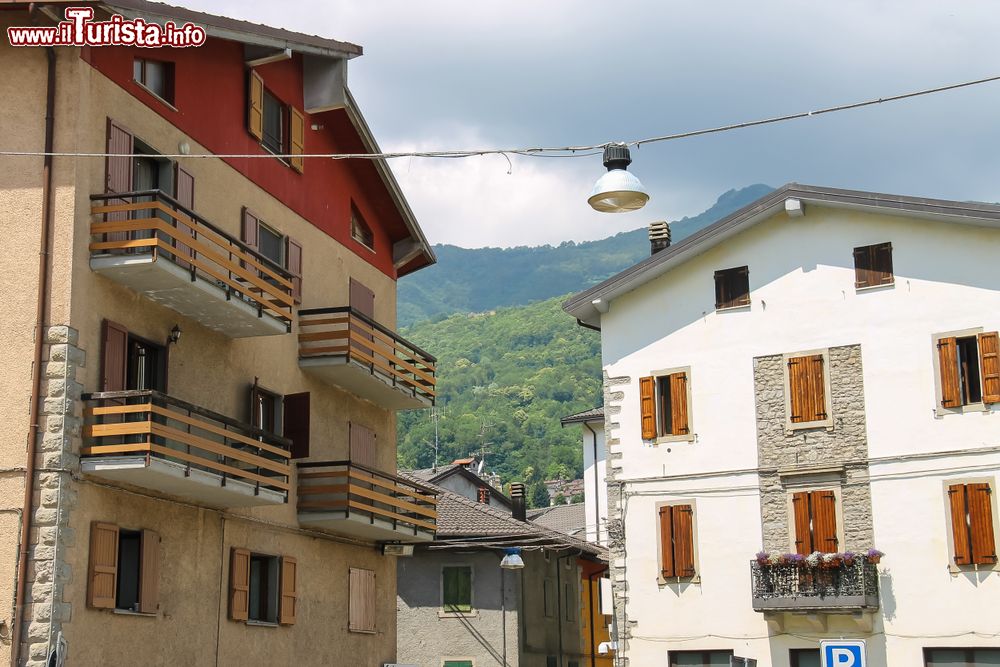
511, 561
617, 191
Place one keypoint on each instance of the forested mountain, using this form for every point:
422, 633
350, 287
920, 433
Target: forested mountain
479, 279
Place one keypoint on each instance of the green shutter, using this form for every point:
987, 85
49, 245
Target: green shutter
457, 585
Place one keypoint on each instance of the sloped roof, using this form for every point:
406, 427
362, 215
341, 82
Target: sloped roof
592, 415
443, 472
588, 305
570, 519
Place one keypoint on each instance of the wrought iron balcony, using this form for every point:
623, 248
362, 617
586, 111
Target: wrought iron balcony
150, 243
153, 441
823, 588
350, 350
358, 501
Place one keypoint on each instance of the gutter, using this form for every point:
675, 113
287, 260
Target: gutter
41, 308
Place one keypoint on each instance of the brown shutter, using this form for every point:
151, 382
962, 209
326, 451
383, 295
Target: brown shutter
862, 266
362, 601
362, 300
149, 573
114, 353
103, 577
184, 194
824, 514
951, 393
118, 173
882, 263
362, 445
298, 132
255, 106
803, 529
293, 262
239, 584
249, 233
721, 289
296, 423
289, 591
647, 407
679, 404
981, 524
798, 376
666, 542
989, 365
683, 540
959, 524
817, 387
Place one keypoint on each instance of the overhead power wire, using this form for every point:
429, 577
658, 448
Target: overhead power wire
564, 151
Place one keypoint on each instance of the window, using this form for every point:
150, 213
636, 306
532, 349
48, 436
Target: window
961, 657
281, 250
263, 588
664, 403
124, 569
551, 661
456, 588
700, 658
155, 76
362, 601
461, 662
815, 521
360, 231
732, 288
808, 391
296, 423
971, 508
676, 541
569, 601
969, 369
549, 597
804, 657
273, 127
483, 495
147, 365
271, 244
265, 409
873, 265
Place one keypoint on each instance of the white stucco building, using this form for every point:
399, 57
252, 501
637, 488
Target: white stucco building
595, 487
815, 372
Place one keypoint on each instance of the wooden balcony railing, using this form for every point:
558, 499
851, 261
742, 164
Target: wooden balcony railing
353, 488
120, 423
153, 222
345, 332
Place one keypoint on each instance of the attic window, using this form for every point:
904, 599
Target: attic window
360, 231
873, 265
732, 288
156, 76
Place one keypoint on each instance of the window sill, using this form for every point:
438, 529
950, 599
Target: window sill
282, 160
956, 570
157, 97
874, 288
261, 624
662, 583
665, 439
129, 612
963, 409
791, 428
362, 632
459, 614
733, 309
364, 245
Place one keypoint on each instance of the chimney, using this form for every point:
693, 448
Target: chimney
659, 237
517, 501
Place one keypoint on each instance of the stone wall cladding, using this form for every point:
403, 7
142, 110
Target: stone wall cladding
845, 444
56, 457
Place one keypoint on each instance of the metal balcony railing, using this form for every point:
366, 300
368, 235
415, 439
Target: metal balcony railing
821, 587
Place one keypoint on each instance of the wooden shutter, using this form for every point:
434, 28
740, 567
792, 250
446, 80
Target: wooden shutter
293, 262
959, 524
289, 591
989, 366
981, 524
362, 300
807, 389
679, 404
298, 132
184, 194
873, 265
824, 521
255, 106
362, 445
149, 572
862, 267
647, 407
803, 527
362, 601
667, 542
296, 423
249, 234
951, 392
683, 540
114, 356
239, 584
102, 586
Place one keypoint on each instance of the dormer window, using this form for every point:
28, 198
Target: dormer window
279, 127
273, 128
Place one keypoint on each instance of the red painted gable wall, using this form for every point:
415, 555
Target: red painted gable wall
210, 94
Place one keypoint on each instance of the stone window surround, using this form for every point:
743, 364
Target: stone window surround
813, 480
827, 423
473, 612
696, 579
939, 410
954, 569
690, 436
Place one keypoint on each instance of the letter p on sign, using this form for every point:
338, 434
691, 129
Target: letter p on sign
843, 653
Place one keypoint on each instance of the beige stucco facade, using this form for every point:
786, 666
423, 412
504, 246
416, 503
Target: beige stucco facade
205, 368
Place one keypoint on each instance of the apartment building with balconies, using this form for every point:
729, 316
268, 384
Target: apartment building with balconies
810, 378
211, 403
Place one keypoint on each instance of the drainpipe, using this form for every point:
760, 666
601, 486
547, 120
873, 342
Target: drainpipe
41, 307
597, 489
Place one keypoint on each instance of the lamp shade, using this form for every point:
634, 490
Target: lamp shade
512, 560
617, 191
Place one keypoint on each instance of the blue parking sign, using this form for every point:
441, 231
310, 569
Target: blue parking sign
842, 653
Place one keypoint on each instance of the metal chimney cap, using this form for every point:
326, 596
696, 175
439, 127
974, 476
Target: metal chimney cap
617, 156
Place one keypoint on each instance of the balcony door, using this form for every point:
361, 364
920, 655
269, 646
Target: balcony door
147, 365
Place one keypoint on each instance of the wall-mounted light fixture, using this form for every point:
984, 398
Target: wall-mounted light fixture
174, 335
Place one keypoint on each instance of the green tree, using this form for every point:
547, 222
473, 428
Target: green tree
538, 496
577, 498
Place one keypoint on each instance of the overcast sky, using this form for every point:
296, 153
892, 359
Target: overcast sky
460, 74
